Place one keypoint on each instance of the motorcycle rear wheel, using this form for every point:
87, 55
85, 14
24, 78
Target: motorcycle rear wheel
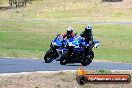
88, 59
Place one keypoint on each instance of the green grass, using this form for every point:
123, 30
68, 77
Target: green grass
3, 2
115, 42
93, 10
21, 38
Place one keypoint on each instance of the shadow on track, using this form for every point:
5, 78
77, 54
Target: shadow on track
74, 65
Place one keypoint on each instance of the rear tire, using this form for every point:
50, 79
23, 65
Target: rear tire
88, 59
63, 62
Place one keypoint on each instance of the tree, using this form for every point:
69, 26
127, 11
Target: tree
18, 3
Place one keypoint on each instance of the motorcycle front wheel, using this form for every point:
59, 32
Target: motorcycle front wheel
64, 58
50, 56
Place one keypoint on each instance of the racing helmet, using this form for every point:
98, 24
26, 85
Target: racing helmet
69, 30
88, 28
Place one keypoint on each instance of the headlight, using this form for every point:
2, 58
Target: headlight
54, 43
70, 44
87, 45
96, 45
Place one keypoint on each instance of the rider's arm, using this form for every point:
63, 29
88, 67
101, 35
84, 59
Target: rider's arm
73, 35
91, 36
64, 35
82, 34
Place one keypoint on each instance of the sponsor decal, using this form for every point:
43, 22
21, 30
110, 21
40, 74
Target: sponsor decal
82, 77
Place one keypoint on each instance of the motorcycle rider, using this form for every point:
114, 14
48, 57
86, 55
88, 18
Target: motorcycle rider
87, 35
69, 33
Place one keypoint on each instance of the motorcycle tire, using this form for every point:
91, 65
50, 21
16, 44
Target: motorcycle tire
88, 59
64, 59
49, 56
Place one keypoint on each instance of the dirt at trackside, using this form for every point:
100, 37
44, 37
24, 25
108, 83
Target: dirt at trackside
56, 80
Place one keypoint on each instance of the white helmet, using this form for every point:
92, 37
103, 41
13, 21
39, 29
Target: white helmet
88, 27
69, 30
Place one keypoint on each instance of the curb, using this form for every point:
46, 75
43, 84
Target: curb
43, 72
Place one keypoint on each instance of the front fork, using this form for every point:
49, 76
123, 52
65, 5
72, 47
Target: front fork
54, 52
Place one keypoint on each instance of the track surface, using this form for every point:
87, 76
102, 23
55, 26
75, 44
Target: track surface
16, 65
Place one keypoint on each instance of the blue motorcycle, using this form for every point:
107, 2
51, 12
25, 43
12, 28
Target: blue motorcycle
79, 52
52, 53
57, 48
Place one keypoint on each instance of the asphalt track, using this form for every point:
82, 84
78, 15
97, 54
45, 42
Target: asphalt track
17, 65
